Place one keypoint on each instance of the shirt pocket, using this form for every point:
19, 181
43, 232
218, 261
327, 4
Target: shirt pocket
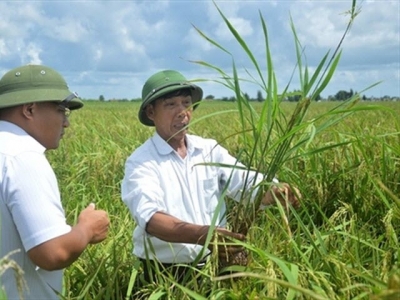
211, 193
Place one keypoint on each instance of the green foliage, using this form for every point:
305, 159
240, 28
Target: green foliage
344, 95
342, 244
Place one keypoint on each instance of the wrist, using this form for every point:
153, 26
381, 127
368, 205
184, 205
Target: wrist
202, 235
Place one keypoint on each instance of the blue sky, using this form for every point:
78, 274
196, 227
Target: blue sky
110, 48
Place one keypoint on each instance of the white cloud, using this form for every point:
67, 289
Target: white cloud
319, 24
3, 48
196, 42
32, 53
65, 29
97, 42
242, 26
376, 25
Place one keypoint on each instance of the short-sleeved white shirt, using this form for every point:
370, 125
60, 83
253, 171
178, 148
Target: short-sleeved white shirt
31, 211
158, 179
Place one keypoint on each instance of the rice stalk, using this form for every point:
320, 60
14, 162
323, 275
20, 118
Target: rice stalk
7, 264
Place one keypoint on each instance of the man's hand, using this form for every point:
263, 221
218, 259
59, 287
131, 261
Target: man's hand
173, 230
94, 221
62, 251
283, 193
223, 244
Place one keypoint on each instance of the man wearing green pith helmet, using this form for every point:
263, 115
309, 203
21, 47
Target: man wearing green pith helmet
35, 103
174, 183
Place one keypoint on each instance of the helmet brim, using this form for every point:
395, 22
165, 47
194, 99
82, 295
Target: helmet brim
19, 97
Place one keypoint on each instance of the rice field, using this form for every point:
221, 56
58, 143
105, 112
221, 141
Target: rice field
343, 243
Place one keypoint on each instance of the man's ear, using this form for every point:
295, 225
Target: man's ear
28, 109
150, 111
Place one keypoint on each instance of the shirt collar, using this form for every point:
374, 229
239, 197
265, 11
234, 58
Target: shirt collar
15, 129
163, 148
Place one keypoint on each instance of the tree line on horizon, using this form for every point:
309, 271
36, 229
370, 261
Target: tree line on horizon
294, 96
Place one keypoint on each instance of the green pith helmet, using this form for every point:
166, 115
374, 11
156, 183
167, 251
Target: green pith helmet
162, 83
35, 83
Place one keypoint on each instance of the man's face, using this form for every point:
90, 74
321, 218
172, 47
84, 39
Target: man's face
50, 121
170, 117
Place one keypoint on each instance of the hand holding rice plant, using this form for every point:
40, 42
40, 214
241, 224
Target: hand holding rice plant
223, 243
282, 193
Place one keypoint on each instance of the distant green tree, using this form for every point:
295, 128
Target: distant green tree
101, 98
210, 97
344, 95
294, 96
260, 97
247, 97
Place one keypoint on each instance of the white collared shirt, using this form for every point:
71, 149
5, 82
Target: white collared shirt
31, 211
157, 179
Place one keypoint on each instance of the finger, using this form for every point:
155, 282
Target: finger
283, 191
298, 194
296, 198
234, 250
287, 193
282, 194
229, 251
239, 236
290, 193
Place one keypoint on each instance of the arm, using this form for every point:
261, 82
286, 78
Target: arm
173, 230
60, 252
37, 213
